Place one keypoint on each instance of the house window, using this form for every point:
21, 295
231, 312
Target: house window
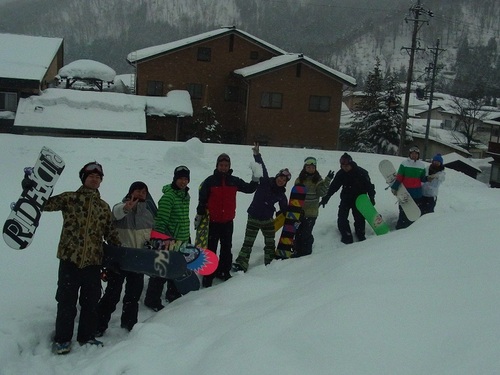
447, 124
254, 55
271, 100
8, 101
195, 90
155, 88
319, 103
204, 54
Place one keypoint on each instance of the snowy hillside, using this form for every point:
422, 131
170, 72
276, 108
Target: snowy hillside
346, 35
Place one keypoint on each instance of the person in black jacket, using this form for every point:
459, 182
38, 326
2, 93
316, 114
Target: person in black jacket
354, 181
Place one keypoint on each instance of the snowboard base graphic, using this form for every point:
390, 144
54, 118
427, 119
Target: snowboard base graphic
159, 263
369, 212
20, 226
284, 249
406, 202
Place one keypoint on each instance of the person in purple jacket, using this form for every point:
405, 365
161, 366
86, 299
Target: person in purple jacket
271, 190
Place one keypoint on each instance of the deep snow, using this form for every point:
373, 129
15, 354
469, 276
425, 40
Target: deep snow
423, 300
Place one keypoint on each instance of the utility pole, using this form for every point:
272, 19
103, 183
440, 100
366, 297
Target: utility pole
417, 10
436, 50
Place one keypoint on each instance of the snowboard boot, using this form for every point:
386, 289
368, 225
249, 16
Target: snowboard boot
207, 281
61, 347
91, 342
347, 238
361, 236
223, 275
237, 268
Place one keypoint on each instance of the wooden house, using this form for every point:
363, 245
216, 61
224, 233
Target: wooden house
257, 91
29, 65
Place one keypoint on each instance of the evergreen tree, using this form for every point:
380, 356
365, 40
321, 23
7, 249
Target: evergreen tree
207, 127
204, 126
377, 122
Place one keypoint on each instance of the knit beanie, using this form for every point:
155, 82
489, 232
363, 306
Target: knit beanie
138, 185
345, 159
92, 167
223, 157
181, 171
438, 158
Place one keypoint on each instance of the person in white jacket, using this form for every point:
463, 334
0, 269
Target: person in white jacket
133, 220
430, 188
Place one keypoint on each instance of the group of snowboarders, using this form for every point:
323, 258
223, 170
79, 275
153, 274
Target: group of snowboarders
87, 220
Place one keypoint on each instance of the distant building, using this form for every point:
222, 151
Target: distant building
28, 66
257, 91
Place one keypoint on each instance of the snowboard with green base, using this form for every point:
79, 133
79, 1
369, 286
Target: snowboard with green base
374, 219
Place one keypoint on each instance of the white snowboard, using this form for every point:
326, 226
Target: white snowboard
410, 208
20, 226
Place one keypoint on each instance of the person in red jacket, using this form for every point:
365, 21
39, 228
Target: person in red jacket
217, 195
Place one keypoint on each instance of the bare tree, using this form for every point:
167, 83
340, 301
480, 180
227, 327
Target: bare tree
470, 114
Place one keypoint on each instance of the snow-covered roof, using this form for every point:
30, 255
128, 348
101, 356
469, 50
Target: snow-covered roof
171, 46
291, 58
450, 158
87, 69
98, 111
26, 57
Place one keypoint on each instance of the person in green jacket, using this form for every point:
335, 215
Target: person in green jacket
316, 187
171, 219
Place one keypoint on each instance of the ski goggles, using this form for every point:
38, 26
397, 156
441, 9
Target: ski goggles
93, 167
310, 161
285, 172
181, 168
415, 149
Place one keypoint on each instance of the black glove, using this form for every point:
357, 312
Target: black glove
324, 201
197, 221
330, 174
27, 183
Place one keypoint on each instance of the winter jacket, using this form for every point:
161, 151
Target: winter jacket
87, 221
266, 196
411, 173
353, 183
133, 227
172, 217
314, 192
218, 195
431, 188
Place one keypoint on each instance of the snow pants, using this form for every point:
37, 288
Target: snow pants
251, 231
343, 221
107, 304
74, 285
223, 233
304, 239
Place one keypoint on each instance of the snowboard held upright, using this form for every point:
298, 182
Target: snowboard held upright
20, 226
369, 212
284, 249
406, 202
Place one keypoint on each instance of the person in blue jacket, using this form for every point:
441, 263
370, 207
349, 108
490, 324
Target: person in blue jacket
271, 190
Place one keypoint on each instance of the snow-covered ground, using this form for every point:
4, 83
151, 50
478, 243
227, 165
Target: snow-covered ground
424, 300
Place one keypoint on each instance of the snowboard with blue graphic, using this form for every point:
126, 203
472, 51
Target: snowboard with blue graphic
292, 216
